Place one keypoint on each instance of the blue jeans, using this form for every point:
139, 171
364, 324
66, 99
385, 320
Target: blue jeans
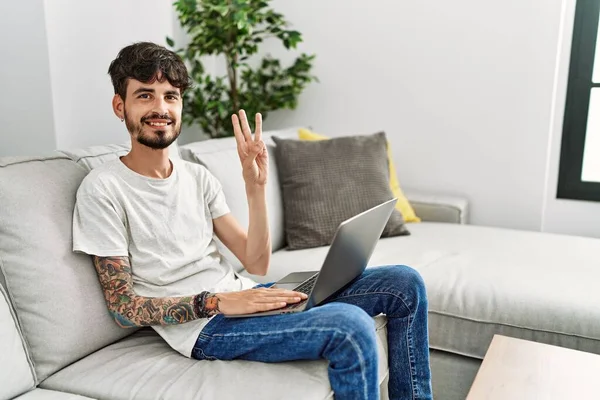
343, 332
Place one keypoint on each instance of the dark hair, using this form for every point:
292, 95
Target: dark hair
145, 61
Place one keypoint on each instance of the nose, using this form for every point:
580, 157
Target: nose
160, 106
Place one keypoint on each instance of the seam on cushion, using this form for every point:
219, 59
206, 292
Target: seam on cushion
92, 156
59, 156
17, 321
513, 326
460, 353
40, 158
212, 151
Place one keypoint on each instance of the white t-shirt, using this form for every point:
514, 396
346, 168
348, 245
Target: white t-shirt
165, 228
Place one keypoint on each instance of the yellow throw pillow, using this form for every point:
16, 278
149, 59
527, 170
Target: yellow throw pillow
402, 205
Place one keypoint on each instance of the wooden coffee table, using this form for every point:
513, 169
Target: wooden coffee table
519, 369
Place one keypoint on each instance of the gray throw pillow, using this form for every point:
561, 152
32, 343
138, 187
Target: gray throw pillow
328, 181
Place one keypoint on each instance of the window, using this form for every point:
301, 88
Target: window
579, 173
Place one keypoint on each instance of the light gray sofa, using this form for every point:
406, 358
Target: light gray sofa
58, 342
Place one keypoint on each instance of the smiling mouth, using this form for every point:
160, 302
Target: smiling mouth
158, 124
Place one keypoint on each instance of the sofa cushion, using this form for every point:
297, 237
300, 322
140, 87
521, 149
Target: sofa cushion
55, 292
403, 205
481, 281
42, 394
326, 182
91, 157
235, 193
220, 157
142, 366
16, 374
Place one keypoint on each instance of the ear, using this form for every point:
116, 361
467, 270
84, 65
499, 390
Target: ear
118, 106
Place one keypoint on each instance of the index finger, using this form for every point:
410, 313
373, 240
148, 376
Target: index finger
277, 291
286, 292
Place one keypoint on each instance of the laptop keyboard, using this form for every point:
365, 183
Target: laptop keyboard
307, 286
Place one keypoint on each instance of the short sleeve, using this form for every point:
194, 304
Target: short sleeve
97, 227
214, 196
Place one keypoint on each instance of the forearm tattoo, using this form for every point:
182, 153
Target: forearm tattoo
129, 309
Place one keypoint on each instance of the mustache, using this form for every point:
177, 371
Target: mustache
157, 116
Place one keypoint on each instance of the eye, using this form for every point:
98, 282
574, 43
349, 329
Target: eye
144, 96
172, 97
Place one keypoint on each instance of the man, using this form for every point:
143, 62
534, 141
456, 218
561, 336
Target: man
148, 222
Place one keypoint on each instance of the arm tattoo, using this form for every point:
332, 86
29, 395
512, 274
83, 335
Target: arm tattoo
129, 309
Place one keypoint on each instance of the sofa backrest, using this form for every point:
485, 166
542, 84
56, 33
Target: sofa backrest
220, 157
55, 292
16, 373
91, 157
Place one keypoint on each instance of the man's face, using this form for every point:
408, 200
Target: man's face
152, 112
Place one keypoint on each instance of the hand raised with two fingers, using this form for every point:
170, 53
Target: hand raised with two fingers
251, 149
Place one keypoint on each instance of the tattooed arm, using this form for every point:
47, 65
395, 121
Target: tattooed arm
129, 309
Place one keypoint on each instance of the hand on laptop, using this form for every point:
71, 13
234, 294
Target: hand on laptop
257, 300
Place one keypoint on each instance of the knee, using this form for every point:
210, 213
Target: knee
411, 285
351, 321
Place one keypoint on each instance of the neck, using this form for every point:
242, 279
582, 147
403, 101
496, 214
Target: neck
148, 162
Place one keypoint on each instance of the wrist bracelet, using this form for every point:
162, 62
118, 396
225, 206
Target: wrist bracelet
199, 302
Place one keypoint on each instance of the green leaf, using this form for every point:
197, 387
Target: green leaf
235, 29
223, 10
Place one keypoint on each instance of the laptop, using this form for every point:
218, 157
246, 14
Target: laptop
350, 251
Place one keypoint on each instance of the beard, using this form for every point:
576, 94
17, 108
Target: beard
156, 139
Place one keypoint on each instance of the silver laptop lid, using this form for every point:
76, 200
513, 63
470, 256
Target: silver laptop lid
350, 251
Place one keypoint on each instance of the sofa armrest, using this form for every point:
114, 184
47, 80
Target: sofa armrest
439, 208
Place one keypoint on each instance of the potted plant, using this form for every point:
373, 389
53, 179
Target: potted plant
234, 29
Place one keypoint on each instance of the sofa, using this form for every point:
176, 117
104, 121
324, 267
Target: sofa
58, 341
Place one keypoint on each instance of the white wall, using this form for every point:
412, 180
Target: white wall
462, 88
26, 101
192, 133
83, 38
565, 216
470, 93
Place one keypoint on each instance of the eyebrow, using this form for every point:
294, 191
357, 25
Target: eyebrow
148, 90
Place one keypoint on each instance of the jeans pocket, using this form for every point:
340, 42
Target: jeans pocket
198, 350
